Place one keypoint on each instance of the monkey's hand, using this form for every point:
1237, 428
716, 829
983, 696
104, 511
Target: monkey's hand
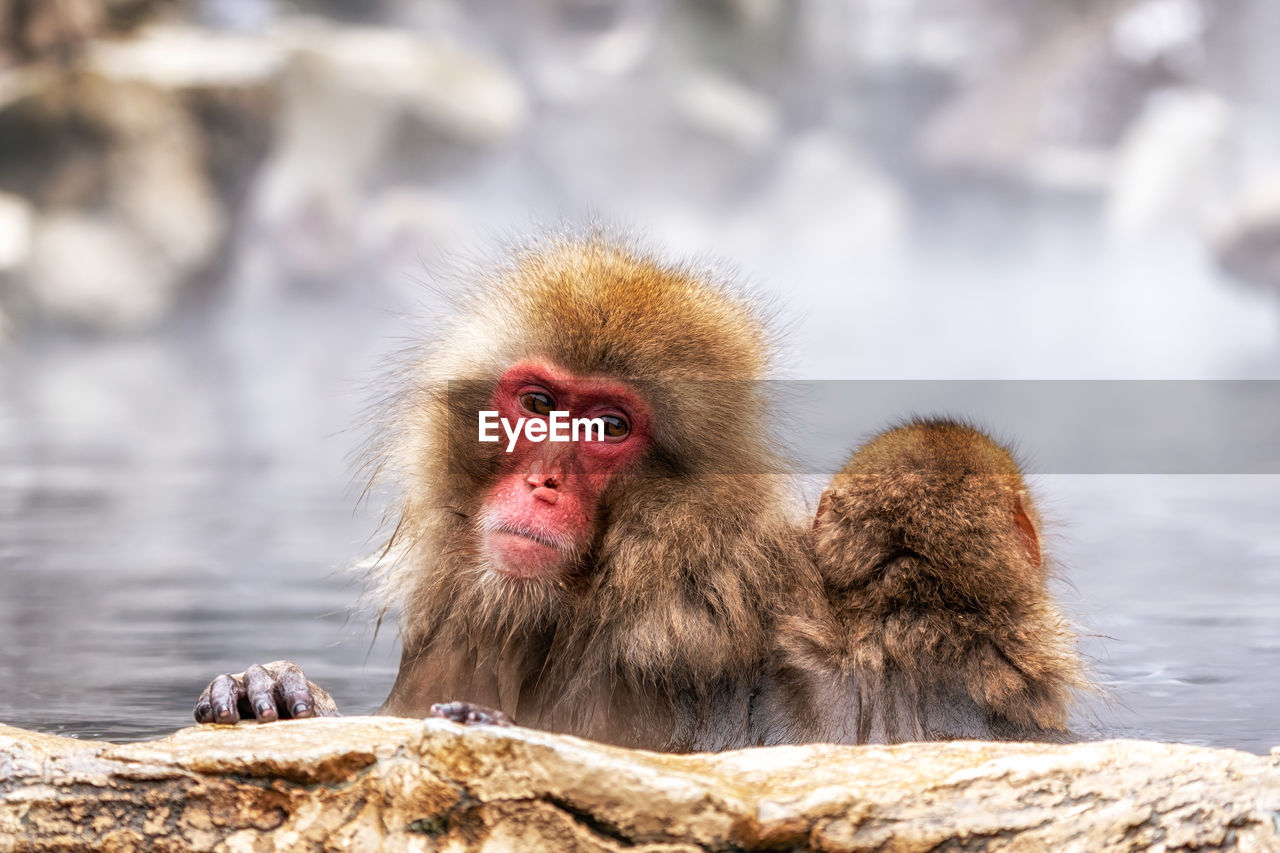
269, 692
470, 715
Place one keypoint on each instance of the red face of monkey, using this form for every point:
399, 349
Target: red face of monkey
540, 516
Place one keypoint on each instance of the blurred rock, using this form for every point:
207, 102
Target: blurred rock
364, 783
16, 217
1247, 243
1163, 173
406, 231
178, 57
1051, 116
98, 273
141, 150
1168, 31
946, 37
348, 98
30, 29
728, 111
441, 83
244, 15
226, 82
826, 200
752, 42
577, 50
157, 142
34, 29
114, 166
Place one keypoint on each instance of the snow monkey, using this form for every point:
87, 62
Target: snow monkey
654, 581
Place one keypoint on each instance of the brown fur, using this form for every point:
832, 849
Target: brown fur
941, 622
661, 632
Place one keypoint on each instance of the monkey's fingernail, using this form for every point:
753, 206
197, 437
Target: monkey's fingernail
265, 708
301, 709
222, 712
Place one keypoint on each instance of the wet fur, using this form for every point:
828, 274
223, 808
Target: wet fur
664, 627
941, 622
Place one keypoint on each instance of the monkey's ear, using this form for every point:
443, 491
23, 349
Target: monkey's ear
1027, 534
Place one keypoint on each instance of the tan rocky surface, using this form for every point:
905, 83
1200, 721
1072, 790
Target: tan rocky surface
369, 783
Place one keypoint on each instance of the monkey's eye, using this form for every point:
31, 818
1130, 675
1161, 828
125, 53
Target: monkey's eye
615, 427
536, 402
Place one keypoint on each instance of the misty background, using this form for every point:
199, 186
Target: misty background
217, 219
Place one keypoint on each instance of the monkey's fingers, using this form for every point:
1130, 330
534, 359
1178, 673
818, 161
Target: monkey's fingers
292, 690
225, 694
204, 708
260, 694
322, 702
471, 715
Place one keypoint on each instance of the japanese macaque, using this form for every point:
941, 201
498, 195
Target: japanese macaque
659, 585
940, 622
623, 589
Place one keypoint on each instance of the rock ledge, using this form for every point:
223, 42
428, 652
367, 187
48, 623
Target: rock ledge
368, 783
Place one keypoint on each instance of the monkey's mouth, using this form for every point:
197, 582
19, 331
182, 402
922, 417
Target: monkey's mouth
523, 554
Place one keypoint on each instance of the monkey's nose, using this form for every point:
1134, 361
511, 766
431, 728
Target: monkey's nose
539, 477
543, 493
